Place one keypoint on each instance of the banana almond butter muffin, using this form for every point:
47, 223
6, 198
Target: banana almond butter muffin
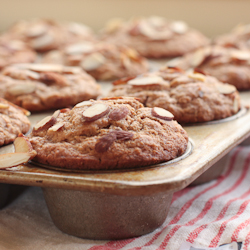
229, 65
39, 87
102, 60
13, 121
110, 133
190, 96
46, 34
15, 51
154, 37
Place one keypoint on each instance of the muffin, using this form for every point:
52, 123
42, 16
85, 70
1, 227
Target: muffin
15, 51
39, 87
239, 38
13, 121
103, 61
191, 97
154, 37
229, 65
108, 134
46, 34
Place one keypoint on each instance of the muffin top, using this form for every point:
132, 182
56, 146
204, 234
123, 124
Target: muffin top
46, 34
102, 60
190, 96
39, 87
154, 37
110, 133
15, 51
229, 65
13, 121
239, 37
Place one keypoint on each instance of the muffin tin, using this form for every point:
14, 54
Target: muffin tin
124, 204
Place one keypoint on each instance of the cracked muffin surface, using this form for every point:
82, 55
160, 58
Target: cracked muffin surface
13, 121
110, 133
190, 96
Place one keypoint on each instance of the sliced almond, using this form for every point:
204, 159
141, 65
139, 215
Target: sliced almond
146, 80
198, 57
21, 89
236, 105
197, 76
45, 123
42, 42
83, 104
95, 112
38, 67
156, 21
71, 70
4, 106
22, 144
36, 30
150, 32
32, 75
93, 61
173, 62
162, 114
79, 48
225, 88
179, 27
240, 55
16, 45
113, 25
56, 113
56, 127
14, 159
78, 28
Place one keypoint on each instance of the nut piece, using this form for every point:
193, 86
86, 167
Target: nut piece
21, 89
41, 67
197, 76
36, 30
14, 159
106, 141
84, 103
179, 27
240, 55
4, 106
95, 112
123, 135
146, 81
93, 61
119, 113
162, 114
79, 48
225, 88
50, 78
45, 123
56, 127
22, 144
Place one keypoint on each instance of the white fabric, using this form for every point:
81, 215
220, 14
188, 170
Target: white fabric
207, 215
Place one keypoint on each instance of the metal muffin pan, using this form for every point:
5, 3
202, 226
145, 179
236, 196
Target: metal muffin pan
124, 204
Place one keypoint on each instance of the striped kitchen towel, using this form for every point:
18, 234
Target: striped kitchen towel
208, 215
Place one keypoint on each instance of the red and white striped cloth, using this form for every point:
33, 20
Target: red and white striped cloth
207, 215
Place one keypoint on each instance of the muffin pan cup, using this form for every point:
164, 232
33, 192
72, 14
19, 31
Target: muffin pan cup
101, 216
124, 204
